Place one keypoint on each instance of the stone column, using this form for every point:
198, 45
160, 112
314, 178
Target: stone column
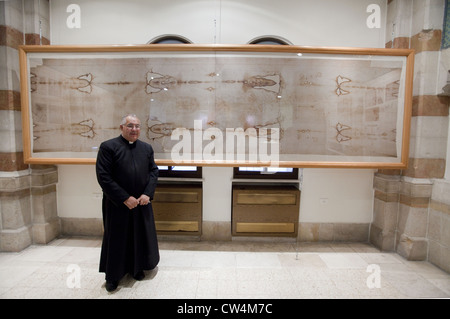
387, 183
21, 22
439, 225
402, 199
383, 229
429, 130
46, 224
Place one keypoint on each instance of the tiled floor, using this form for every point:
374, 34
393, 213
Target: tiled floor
68, 268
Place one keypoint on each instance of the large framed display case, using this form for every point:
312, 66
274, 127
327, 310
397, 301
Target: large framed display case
222, 105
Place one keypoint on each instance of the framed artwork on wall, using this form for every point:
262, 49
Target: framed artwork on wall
220, 105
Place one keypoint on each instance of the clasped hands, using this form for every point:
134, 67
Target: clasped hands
132, 202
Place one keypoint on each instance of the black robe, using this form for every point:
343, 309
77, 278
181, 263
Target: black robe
129, 240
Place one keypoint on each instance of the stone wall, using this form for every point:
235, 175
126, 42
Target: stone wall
406, 204
438, 232
27, 194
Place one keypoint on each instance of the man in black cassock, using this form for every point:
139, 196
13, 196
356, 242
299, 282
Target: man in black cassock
127, 174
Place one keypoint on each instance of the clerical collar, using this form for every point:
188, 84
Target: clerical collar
126, 139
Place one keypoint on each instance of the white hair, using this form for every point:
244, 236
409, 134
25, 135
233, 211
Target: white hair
124, 119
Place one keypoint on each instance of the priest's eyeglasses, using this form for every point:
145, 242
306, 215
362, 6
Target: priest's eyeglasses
131, 126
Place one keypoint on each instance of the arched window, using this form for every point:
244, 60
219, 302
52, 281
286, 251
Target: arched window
169, 39
270, 39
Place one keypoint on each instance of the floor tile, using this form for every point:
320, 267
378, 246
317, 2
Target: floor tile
68, 269
343, 260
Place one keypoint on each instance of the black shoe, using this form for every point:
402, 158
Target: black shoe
139, 276
111, 285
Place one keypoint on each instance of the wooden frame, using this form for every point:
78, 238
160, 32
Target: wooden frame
246, 174
262, 82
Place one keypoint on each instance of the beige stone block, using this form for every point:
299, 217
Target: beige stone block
412, 248
445, 230
326, 231
44, 175
440, 207
425, 168
308, 231
314, 232
15, 240
434, 253
431, 105
426, 40
351, 232
428, 136
445, 259
376, 235
434, 225
44, 203
439, 239
425, 66
11, 162
439, 255
46, 232
441, 191
385, 214
387, 197
381, 238
13, 183
216, 231
391, 216
410, 201
10, 125
15, 209
81, 226
378, 213
412, 221
416, 187
386, 183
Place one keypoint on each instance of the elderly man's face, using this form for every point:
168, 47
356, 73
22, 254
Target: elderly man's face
131, 129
